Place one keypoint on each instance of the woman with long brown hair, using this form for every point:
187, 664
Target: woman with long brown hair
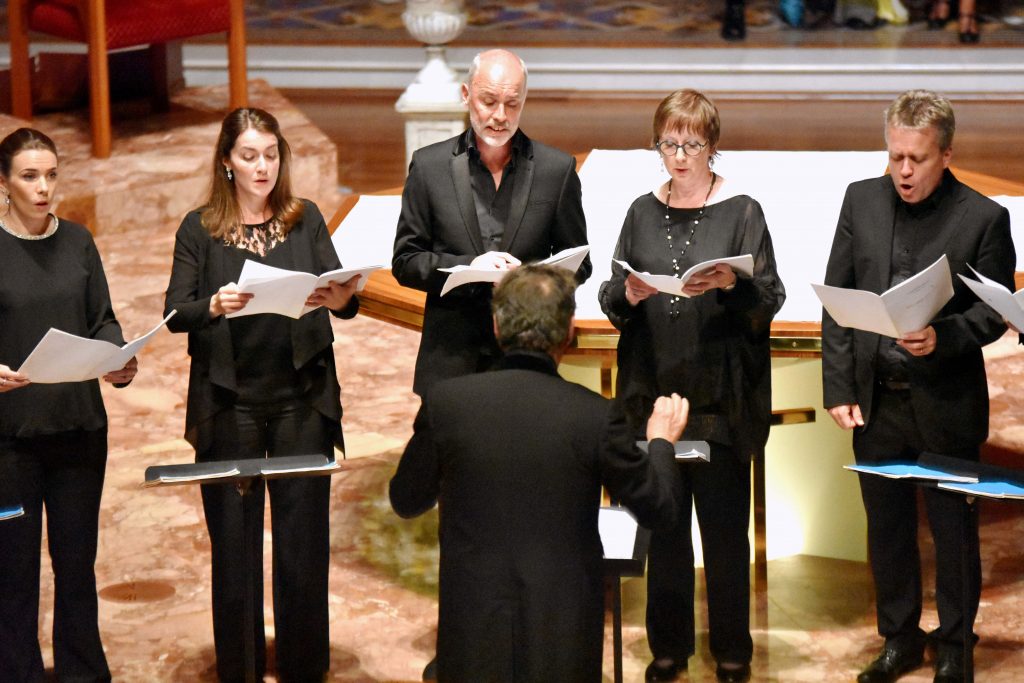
261, 386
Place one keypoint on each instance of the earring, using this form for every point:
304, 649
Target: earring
7, 199
231, 176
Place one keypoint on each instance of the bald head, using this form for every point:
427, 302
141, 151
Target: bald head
494, 93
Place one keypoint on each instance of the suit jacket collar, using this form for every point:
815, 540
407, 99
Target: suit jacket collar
519, 359
523, 149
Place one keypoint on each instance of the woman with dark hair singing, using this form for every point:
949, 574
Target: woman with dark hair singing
53, 437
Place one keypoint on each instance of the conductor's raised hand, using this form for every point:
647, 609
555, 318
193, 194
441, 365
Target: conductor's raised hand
495, 260
335, 295
11, 380
637, 290
125, 374
228, 300
668, 419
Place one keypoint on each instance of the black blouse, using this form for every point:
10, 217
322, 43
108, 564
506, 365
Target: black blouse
223, 373
716, 351
57, 281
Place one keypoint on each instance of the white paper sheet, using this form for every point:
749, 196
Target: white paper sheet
62, 357
1007, 304
617, 528
670, 284
907, 307
1015, 205
570, 259
277, 290
367, 235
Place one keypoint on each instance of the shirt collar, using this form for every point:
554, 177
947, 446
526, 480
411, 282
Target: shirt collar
518, 146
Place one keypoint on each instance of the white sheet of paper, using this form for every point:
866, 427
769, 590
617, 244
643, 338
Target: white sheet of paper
670, 284
907, 307
570, 259
463, 275
1007, 304
282, 291
617, 528
62, 357
367, 235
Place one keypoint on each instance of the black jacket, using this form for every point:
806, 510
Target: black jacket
515, 459
438, 228
948, 388
199, 270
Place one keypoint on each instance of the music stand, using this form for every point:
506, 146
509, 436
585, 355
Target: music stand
242, 473
947, 465
625, 544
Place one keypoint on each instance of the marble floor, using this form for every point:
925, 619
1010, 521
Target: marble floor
813, 623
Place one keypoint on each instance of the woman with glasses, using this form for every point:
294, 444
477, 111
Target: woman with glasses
711, 346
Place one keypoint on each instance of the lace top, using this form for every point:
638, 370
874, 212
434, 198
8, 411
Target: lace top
258, 239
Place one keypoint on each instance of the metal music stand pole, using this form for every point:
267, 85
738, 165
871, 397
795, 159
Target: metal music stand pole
242, 473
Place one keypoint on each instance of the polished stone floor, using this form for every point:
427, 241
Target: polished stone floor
814, 623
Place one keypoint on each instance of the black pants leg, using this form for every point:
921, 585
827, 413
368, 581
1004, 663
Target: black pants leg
64, 473
891, 507
299, 514
721, 491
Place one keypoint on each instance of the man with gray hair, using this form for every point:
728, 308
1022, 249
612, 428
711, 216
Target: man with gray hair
923, 392
490, 197
515, 459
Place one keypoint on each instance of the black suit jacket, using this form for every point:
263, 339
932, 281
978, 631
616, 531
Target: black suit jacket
438, 228
949, 390
199, 270
516, 458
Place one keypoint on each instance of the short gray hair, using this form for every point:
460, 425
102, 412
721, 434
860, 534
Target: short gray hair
532, 308
918, 109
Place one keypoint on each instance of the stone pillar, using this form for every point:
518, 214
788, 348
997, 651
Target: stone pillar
432, 105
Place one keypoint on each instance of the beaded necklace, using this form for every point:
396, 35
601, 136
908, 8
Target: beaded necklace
676, 260
54, 223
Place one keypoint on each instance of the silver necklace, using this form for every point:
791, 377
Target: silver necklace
677, 260
21, 236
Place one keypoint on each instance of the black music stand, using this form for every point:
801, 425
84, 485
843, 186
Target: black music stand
619, 565
242, 473
983, 473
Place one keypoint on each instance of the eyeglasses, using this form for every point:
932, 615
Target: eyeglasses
669, 148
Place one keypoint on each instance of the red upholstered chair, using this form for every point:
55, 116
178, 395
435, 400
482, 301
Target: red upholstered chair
112, 24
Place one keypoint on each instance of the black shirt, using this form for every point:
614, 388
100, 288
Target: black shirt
492, 203
57, 281
913, 225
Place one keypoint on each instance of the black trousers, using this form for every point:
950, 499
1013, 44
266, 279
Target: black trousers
301, 544
63, 473
891, 506
720, 491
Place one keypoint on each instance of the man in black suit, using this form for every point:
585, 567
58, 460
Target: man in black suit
515, 458
489, 197
926, 391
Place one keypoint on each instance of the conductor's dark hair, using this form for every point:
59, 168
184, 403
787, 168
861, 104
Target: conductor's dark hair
533, 307
19, 141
